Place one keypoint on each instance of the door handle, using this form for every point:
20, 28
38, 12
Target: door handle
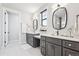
5, 32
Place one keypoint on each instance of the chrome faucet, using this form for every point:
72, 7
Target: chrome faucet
70, 31
57, 32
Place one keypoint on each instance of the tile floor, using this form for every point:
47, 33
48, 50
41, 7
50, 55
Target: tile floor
20, 50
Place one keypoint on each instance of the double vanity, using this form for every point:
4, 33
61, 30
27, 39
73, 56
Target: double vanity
52, 45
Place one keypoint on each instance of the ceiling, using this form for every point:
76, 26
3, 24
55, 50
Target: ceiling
25, 7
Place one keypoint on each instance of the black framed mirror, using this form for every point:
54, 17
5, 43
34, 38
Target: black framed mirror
35, 24
59, 18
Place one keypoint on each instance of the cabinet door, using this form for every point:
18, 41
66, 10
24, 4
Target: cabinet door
42, 43
53, 50
26, 37
36, 42
68, 52
30, 39
43, 51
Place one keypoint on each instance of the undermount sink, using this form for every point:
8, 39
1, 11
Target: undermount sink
54, 34
36, 33
62, 35
67, 36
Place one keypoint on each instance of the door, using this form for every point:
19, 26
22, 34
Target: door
13, 28
53, 50
68, 52
5, 28
43, 51
43, 46
30, 39
1, 29
42, 43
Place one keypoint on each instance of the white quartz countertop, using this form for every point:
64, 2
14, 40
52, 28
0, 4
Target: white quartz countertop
37, 37
61, 37
32, 33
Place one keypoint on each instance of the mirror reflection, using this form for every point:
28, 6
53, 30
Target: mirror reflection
59, 18
35, 24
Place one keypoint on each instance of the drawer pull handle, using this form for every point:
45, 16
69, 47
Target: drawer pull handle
69, 45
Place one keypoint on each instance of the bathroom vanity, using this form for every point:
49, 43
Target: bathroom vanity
32, 39
59, 46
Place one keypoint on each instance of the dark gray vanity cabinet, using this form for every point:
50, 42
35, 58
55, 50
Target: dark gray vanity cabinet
31, 40
51, 46
36, 42
43, 45
52, 49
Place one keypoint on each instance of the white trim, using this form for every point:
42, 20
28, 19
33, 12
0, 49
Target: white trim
3, 26
16, 12
11, 10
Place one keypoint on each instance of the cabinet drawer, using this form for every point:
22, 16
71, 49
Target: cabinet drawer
71, 45
68, 52
42, 43
53, 40
42, 38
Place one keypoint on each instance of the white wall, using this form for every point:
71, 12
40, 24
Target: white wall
72, 10
26, 22
1, 29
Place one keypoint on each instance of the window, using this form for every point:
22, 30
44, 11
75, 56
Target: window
44, 17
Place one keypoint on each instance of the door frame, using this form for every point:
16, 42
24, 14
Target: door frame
20, 30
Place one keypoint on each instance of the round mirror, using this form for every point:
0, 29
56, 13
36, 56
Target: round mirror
35, 24
59, 18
